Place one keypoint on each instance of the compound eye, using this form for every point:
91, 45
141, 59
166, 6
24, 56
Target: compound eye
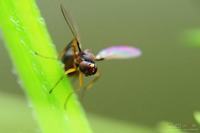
91, 65
93, 68
88, 68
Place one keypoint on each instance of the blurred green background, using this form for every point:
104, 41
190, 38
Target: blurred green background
162, 85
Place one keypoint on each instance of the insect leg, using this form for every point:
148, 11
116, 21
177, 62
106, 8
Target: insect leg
80, 79
71, 70
73, 44
67, 99
89, 85
77, 90
46, 57
82, 91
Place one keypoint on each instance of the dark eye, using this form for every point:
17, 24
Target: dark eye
88, 68
93, 69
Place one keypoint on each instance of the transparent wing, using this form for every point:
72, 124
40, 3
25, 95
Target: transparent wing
71, 24
118, 52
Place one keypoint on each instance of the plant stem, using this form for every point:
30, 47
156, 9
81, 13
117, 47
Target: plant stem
24, 33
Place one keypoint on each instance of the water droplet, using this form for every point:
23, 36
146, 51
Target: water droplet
41, 20
16, 23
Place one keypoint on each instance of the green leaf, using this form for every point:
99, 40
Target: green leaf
197, 116
167, 127
192, 37
24, 33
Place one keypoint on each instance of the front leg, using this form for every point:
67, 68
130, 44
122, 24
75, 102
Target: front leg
71, 70
91, 82
89, 85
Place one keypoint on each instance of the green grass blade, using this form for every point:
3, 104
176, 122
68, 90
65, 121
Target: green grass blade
192, 38
24, 32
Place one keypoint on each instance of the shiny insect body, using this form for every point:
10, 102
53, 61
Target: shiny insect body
78, 62
83, 61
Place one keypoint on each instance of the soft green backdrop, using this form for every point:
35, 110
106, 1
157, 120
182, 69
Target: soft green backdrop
161, 85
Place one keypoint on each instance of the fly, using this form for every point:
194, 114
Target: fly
78, 62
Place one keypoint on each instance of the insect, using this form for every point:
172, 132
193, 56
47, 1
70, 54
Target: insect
78, 62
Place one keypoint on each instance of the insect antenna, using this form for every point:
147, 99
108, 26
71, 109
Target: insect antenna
71, 25
66, 15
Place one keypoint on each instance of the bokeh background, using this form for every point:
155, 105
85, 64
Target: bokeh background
162, 85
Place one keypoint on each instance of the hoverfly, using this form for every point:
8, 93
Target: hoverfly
78, 62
